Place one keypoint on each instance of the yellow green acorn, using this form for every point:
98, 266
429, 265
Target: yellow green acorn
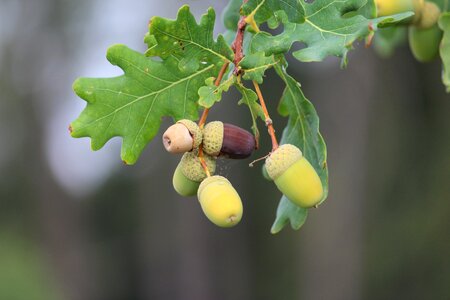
425, 43
392, 7
227, 140
183, 136
189, 173
220, 202
294, 176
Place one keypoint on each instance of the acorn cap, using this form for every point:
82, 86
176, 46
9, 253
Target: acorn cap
281, 159
191, 166
213, 137
209, 180
194, 130
429, 16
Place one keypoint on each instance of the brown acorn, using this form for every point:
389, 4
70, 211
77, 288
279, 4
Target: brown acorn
222, 139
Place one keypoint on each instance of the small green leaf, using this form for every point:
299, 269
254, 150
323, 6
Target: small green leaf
183, 39
211, 93
444, 24
388, 39
302, 131
132, 105
250, 99
289, 212
263, 10
255, 65
330, 29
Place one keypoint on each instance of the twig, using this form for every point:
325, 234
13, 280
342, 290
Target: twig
202, 161
268, 120
219, 78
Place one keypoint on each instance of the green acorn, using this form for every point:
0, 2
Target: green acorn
227, 140
219, 201
424, 43
183, 136
189, 173
294, 176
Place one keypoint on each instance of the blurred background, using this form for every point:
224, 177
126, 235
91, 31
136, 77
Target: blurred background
80, 225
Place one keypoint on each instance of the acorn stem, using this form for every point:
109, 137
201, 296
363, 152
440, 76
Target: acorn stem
268, 120
205, 113
202, 161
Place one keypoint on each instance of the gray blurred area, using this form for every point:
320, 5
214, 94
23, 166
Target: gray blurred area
79, 225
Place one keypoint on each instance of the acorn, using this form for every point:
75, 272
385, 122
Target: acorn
222, 139
219, 201
425, 43
183, 136
189, 173
294, 176
392, 7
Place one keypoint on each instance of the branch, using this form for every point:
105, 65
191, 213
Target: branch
268, 120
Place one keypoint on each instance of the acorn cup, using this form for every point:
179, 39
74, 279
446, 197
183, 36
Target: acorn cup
189, 173
219, 201
429, 15
294, 176
230, 141
183, 136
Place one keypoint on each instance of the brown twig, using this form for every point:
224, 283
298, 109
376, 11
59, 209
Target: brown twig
202, 161
238, 55
202, 121
237, 45
268, 120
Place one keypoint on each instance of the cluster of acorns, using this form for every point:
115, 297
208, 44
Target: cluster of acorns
286, 166
423, 32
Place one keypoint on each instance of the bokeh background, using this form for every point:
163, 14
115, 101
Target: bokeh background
79, 225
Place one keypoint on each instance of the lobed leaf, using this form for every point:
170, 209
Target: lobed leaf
289, 212
444, 24
210, 93
329, 29
131, 105
263, 10
255, 65
230, 14
302, 131
190, 43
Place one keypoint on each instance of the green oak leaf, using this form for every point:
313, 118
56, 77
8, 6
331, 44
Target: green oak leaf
263, 10
131, 105
289, 212
388, 39
302, 131
190, 43
444, 24
231, 16
330, 29
210, 93
250, 99
255, 65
